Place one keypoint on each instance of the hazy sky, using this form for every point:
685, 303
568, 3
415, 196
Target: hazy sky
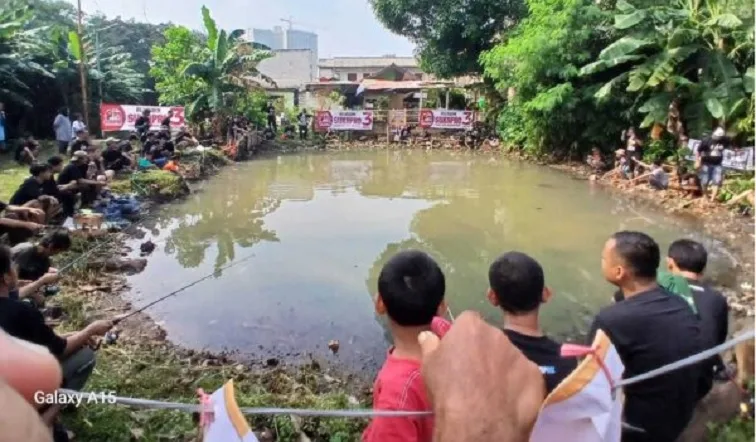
344, 27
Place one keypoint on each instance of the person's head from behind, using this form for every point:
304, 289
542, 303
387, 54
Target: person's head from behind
40, 171
63, 111
630, 257
77, 116
151, 136
658, 162
56, 163
686, 255
146, 113
81, 134
718, 134
55, 242
411, 289
8, 274
517, 284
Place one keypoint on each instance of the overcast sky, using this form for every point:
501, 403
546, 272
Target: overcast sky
344, 27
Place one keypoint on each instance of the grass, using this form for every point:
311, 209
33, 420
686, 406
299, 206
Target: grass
11, 176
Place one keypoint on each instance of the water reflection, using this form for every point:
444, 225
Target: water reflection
322, 226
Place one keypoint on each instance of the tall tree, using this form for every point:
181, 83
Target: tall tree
683, 59
450, 34
182, 47
229, 69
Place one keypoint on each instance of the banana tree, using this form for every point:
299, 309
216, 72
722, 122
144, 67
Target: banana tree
687, 59
228, 70
19, 49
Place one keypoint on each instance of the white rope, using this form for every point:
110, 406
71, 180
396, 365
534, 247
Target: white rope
363, 413
690, 360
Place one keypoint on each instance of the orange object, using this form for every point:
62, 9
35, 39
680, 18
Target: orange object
171, 166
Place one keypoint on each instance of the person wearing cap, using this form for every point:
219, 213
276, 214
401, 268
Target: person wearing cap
113, 158
75, 172
709, 156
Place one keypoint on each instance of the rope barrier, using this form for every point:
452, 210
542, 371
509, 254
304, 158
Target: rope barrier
690, 360
364, 413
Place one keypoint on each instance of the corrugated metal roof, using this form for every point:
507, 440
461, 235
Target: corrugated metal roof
367, 62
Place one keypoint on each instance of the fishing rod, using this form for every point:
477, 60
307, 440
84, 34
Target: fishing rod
181, 289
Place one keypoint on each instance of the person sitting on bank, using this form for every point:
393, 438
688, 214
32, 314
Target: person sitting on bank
26, 152
650, 327
16, 222
145, 162
174, 164
518, 288
23, 321
184, 139
113, 157
34, 260
411, 288
31, 194
688, 259
80, 143
75, 173
596, 161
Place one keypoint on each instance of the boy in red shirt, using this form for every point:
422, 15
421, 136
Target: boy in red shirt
411, 290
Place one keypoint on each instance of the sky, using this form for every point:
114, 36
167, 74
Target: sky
344, 27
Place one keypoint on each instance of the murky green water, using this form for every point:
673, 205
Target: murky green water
321, 226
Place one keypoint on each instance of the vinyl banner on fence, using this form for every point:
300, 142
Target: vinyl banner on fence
343, 120
121, 117
446, 119
736, 158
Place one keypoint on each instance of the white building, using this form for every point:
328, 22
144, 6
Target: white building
279, 38
357, 68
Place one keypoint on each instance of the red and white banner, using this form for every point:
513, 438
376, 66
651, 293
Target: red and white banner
343, 120
446, 119
121, 117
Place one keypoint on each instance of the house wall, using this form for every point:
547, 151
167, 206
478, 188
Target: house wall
342, 73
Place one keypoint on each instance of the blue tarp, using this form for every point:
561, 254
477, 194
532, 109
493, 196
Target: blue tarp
118, 210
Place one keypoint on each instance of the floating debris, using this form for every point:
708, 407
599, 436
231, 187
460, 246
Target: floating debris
333, 344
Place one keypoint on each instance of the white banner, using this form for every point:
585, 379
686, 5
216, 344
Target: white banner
446, 119
343, 120
737, 158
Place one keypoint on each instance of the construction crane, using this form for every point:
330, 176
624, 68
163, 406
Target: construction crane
292, 22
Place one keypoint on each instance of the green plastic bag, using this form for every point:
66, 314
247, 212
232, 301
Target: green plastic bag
677, 285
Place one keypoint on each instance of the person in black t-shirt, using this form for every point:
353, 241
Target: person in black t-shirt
149, 143
650, 328
165, 125
271, 111
81, 142
33, 261
142, 125
75, 174
709, 156
688, 259
113, 158
517, 287
31, 188
23, 321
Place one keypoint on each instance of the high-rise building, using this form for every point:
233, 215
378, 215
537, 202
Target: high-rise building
279, 38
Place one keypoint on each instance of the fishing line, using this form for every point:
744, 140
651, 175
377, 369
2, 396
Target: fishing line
181, 289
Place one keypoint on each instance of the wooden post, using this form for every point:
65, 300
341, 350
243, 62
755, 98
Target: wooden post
83, 69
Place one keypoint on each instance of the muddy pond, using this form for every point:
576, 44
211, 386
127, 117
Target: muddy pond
320, 226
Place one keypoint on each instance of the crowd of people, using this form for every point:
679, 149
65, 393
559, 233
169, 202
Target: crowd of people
651, 323
704, 180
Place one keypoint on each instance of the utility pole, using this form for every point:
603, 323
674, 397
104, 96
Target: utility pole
82, 68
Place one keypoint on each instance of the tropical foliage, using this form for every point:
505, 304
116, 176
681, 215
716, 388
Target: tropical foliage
573, 73
39, 59
213, 74
450, 34
689, 57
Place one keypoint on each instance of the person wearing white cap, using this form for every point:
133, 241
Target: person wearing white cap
709, 156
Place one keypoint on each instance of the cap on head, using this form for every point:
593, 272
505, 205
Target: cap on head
80, 155
718, 133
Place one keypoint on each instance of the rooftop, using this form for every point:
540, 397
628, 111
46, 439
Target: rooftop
367, 62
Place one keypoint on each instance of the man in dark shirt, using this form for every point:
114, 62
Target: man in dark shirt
688, 259
165, 125
25, 322
15, 222
75, 173
33, 261
81, 142
113, 158
142, 125
518, 288
649, 328
271, 111
150, 142
31, 188
709, 156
